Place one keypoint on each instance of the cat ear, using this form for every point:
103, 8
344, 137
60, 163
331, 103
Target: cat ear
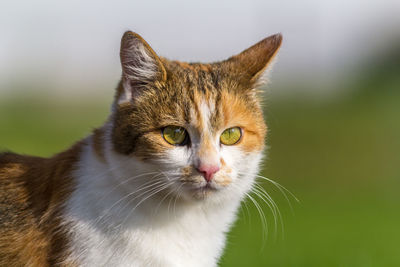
252, 63
140, 66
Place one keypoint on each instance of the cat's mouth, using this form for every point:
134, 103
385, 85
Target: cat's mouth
202, 190
207, 186
196, 186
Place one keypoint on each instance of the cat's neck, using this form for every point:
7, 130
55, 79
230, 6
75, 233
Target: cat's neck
112, 202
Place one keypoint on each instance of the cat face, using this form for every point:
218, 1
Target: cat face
198, 126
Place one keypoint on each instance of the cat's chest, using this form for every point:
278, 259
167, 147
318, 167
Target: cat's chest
178, 243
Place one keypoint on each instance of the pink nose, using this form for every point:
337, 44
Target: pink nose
208, 171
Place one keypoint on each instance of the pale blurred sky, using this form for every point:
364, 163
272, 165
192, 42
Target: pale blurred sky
72, 46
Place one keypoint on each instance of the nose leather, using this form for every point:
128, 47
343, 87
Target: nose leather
208, 171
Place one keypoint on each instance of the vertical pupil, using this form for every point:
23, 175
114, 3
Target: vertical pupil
231, 132
175, 133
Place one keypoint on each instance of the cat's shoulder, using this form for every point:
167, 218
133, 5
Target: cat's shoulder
32, 191
17, 225
14, 165
14, 172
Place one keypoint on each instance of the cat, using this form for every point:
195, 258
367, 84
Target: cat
159, 184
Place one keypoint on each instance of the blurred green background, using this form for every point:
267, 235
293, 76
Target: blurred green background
333, 107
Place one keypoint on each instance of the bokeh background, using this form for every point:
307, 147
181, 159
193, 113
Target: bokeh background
332, 106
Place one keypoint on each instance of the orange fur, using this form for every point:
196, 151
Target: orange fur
237, 113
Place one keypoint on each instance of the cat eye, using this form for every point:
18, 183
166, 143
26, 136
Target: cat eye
231, 136
175, 135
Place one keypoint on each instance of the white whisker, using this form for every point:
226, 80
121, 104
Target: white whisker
144, 186
264, 222
156, 190
282, 189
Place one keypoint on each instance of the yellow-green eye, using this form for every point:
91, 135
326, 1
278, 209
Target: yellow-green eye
231, 136
174, 135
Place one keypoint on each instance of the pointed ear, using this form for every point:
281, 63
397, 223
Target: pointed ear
251, 64
140, 66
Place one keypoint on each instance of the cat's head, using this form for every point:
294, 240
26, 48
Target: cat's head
197, 129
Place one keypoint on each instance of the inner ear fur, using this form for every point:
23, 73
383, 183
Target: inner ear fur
139, 61
140, 67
